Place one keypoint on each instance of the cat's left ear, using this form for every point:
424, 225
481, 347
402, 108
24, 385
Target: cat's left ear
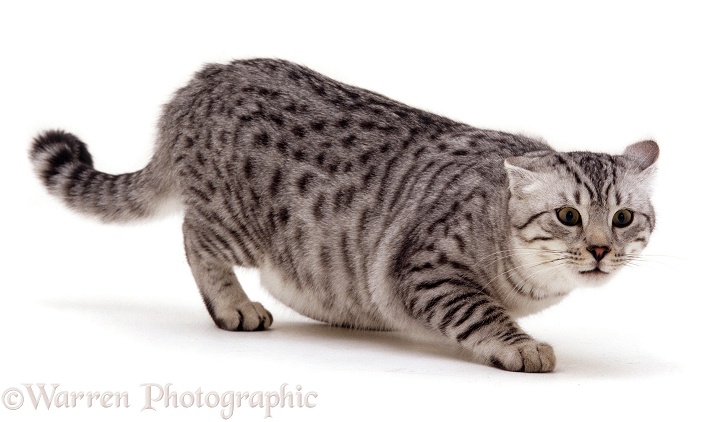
521, 179
644, 154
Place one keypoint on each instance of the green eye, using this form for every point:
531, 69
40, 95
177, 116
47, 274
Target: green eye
568, 216
622, 218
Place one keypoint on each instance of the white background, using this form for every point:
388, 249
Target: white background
108, 307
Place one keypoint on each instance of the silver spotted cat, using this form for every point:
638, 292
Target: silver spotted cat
363, 212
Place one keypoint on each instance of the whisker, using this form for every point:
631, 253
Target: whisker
509, 253
646, 260
529, 266
663, 256
514, 251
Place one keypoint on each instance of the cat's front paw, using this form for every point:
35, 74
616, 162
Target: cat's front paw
526, 356
247, 316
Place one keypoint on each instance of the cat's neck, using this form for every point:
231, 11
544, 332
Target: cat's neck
514, 286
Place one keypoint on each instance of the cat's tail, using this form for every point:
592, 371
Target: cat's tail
64, 165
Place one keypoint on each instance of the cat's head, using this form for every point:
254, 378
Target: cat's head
578, 217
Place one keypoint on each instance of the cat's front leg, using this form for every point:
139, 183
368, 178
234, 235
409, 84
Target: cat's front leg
526, 355
458, 308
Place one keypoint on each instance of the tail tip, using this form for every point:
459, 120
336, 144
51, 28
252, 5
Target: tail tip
53, 149
56, 139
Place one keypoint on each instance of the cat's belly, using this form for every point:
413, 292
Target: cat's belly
314, 304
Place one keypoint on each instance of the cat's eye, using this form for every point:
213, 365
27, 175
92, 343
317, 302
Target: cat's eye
622, 218
568, 216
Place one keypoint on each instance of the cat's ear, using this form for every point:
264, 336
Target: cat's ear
644, 154
521, 180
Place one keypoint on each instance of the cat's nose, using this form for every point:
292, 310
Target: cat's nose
598, 251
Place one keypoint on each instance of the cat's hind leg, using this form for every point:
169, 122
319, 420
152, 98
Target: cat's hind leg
212, 268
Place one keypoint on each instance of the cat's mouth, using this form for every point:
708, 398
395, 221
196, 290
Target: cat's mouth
594, 271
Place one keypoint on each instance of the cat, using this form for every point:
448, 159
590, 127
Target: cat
364, 212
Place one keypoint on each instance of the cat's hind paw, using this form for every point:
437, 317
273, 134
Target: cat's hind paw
527, 356
247, 316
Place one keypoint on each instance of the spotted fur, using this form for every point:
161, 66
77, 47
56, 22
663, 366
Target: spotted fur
363, 212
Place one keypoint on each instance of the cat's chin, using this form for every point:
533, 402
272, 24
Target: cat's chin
594, 277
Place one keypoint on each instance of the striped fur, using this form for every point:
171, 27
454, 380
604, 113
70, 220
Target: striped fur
363, 212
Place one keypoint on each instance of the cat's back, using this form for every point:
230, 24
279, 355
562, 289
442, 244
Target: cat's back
289, 132
293, 115
297, 102
275, 133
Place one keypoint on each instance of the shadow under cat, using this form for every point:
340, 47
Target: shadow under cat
336, 348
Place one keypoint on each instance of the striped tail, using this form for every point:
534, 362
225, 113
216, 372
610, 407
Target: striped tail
65, 167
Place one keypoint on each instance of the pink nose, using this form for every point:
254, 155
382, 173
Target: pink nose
598, 251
